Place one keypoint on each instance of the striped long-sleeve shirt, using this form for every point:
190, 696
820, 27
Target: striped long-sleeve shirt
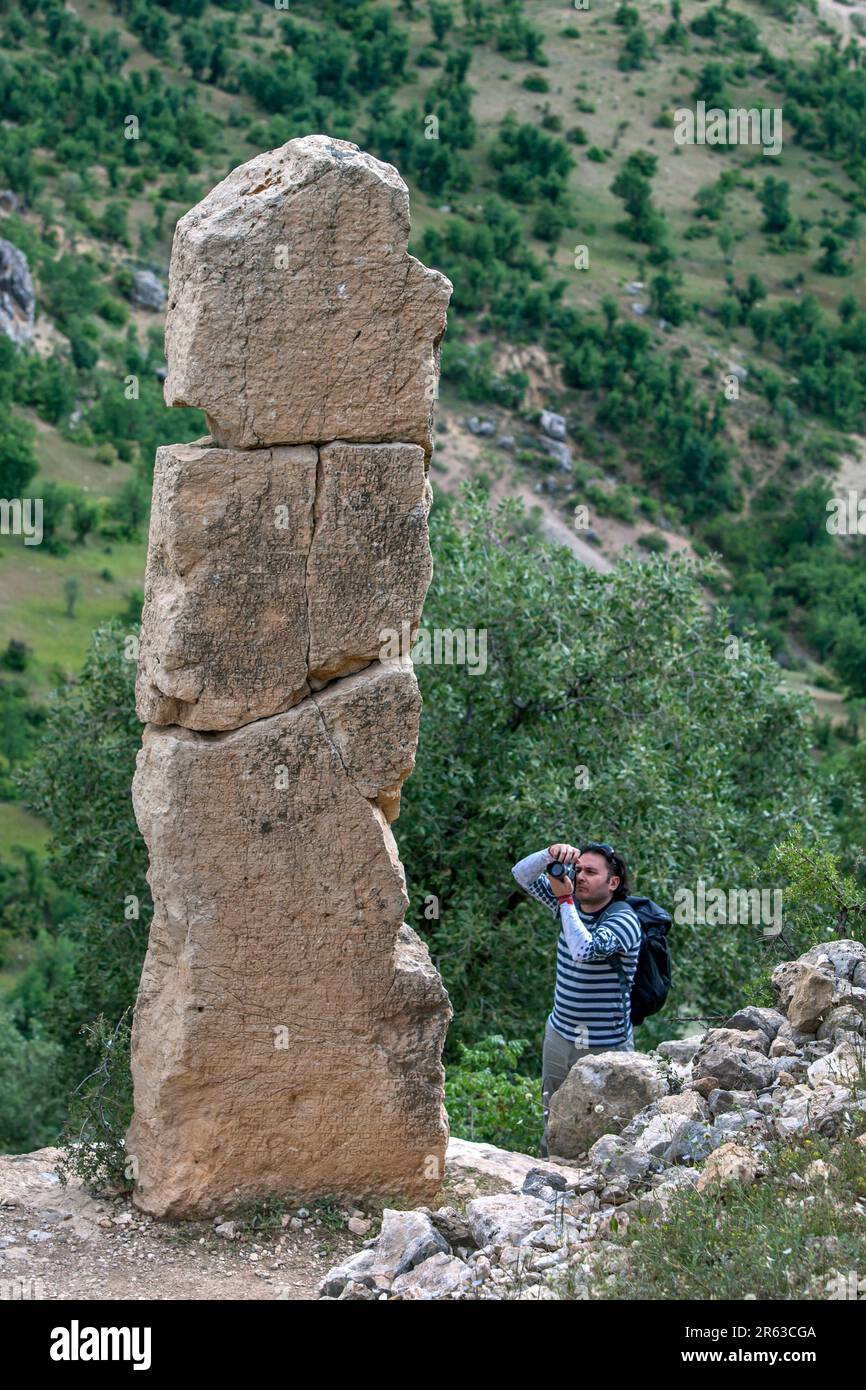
589, 1008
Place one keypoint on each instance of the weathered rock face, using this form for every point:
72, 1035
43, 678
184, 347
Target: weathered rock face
601, 1093
289, 1026
17, 299
273, 571
295, 313
148, 291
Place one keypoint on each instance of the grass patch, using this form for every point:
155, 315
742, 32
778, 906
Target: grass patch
789, 1236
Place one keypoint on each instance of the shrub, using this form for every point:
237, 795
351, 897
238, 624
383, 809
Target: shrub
489, 1100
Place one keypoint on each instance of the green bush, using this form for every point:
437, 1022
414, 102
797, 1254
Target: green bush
618, 503
654, 542
100, 1111
30, 1106
489, 1101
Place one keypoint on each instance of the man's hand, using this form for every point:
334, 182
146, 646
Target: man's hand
561, 887
567, 853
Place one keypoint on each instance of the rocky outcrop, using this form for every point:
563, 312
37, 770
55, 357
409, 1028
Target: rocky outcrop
638, 1131
17, 297
148, 291
289, 1026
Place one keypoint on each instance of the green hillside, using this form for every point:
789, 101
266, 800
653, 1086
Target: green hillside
696, 313
553, 184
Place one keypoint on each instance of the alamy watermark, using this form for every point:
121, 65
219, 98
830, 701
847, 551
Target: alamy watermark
847, 515
848, 1286
439, 646
723, 907
737, 126
77, 1343
21, 516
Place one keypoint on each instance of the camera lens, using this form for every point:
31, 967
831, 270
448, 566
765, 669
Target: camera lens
556, 870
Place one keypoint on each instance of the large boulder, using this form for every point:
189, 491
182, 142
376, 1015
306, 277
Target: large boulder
295, 314
680, 1050
844, 957
752, 1017
824, 1109
811, 998
470, 1160
148, 291
601, 1093
616, 1159
755, 1039
844, 1066
730, 1163
507, 1218
440, 1276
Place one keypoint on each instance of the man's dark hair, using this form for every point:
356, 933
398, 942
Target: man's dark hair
617, 866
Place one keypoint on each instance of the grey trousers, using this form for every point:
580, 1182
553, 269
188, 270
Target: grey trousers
558, 1057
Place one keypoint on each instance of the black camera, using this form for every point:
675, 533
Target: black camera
556, 869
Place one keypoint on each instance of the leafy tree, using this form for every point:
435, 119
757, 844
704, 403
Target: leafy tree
821, 900
18, 464
635, 49
632, 185
711, 86
487, 1099
530, 163
831, 263
56, 498
71, 592
676, 32
85, 515
666, 298
629, 724
30, 1106
774, 200
129, 507
79, 782
849, 654
441, 19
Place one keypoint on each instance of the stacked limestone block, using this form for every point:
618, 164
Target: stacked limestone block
289, 1026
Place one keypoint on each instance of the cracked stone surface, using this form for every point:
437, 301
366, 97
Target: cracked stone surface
271, 572
295, 313
289, 1025
288, 1030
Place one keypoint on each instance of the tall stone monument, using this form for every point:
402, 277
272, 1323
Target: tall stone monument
289, 1026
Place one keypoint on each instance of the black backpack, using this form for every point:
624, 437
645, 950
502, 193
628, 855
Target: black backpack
652, 978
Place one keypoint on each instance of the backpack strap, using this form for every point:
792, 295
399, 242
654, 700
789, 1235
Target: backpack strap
616, 966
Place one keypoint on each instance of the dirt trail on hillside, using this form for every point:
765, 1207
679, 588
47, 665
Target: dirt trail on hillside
840, 16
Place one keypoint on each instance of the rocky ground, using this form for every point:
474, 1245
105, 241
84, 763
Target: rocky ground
628, 1131
633, 1129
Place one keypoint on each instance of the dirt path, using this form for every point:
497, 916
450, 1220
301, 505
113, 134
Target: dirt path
58, 1242
840, 16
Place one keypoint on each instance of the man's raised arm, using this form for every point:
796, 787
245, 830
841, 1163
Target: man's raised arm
530, 874
619, 934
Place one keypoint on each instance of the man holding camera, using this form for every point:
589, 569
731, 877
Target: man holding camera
587, 889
